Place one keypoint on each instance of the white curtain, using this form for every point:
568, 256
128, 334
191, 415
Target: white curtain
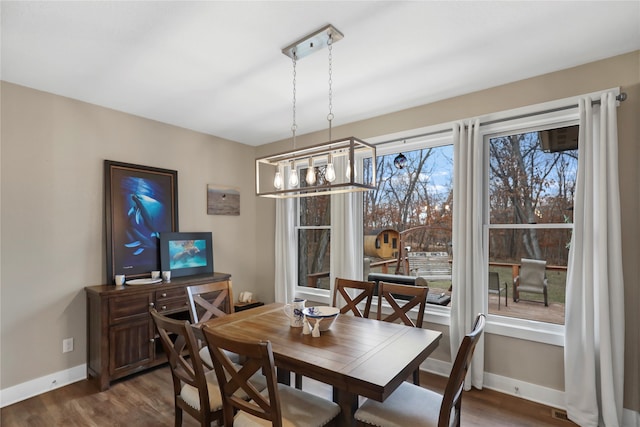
347, 247
469, 267
285, 250
594, 323
346, 225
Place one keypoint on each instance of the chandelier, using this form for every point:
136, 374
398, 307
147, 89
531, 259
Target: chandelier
328, 168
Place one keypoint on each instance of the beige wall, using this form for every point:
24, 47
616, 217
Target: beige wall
52, 210
53, 240
524, 360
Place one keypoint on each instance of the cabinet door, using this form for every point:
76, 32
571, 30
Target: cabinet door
131, 347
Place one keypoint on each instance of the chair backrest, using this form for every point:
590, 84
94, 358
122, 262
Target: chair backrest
345, 287
494, 281
233, 379
180, 345
418, 297
452, 398
210, 300
532, 272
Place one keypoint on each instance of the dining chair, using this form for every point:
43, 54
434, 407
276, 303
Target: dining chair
210, 301
346, 288
194, 391
411, 405
279, 405
413, 296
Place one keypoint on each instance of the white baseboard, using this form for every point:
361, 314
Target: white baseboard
41, 385
536, 393
630, 418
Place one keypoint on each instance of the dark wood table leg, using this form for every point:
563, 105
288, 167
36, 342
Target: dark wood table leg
348, 404
284, 376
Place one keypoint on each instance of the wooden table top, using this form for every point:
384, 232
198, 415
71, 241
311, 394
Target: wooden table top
359, 356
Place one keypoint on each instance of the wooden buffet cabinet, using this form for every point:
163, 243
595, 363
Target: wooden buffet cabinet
121, 337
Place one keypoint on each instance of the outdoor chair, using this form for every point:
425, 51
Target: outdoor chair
393, 293
210, 301
279, 405
411, 405
532, 278
494, 287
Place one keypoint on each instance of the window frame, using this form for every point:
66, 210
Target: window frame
531, 330
556, 113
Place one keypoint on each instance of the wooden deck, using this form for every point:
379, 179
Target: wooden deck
530, 310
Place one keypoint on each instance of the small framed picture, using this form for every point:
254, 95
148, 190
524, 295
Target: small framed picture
223, 200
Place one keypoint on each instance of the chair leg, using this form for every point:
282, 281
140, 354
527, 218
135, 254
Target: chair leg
506, 294
416, 377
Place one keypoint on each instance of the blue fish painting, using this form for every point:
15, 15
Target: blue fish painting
146, 210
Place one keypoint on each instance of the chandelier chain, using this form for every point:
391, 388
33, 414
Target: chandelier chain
330, 115
294, 126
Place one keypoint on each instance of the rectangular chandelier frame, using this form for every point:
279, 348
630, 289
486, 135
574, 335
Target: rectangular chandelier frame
344, 153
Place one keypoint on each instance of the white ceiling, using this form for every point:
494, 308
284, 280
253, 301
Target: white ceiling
216, 66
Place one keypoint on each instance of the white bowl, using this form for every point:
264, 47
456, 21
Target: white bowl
326, 314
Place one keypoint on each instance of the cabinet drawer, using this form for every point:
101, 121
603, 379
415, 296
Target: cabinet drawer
170, 294
173, 305
126, 307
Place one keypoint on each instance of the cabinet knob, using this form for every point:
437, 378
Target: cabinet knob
164, 295
152, 340
164, 307
151, 305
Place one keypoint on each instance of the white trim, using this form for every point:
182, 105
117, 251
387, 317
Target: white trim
19, 392
533, 392
630, 418
542, 332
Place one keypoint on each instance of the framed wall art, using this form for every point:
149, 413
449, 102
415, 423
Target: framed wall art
223, 200
140, 203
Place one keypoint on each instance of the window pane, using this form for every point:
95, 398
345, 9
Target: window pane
532, 177
315, 211
507, 248
419, 197
314, 257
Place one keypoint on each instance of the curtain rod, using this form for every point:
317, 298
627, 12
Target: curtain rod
621, 97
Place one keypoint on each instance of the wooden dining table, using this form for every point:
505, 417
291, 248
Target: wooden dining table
357, 356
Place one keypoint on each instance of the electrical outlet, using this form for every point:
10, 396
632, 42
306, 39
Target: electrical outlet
67, 345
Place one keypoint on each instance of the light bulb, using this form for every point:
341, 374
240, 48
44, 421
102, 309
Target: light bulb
293, 177
330, 173
277, 181
355, 174
311, 173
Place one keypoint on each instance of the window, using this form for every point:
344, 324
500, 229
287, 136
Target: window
531, 182
414, 202
314, 238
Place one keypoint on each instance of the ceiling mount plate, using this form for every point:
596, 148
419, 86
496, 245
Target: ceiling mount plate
312, 42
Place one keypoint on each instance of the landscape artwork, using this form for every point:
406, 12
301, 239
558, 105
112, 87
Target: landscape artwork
223, 200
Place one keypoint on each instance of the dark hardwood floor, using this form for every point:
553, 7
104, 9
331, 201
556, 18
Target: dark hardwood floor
146, 400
